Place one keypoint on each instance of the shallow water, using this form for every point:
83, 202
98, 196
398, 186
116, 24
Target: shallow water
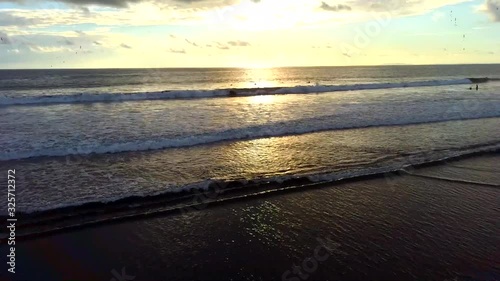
71, 154
49, 183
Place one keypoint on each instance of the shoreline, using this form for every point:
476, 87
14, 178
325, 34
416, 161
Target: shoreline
176, 202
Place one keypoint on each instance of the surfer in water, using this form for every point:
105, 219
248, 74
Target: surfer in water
477, 87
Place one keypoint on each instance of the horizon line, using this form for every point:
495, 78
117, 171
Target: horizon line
237, 67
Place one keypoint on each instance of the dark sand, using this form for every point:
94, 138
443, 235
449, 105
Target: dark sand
442, 224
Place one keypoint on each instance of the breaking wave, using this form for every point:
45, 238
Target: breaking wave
197, 94
295, 127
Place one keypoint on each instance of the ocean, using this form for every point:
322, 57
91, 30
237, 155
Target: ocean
101, 145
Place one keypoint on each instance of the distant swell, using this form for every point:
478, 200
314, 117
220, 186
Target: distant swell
194, 94
483, 80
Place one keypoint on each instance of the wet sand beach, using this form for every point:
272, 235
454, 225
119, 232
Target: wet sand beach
439, 222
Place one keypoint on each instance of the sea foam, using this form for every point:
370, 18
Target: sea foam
197, 94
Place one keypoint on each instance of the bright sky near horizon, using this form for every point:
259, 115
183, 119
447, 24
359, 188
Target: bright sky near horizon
246, 33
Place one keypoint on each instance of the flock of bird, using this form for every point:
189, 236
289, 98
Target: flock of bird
76, 53
454, 20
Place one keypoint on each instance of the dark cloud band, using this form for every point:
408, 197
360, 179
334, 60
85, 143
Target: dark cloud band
493, 8
108, 3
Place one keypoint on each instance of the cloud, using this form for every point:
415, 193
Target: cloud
481, 27
191, 43
438, 16
125, 46
237, 15
107, 3
222, 46
335, 8
42, 43
145, 14
45, 49
42, 47
85, 10
4, 39
401, 7
66, 42
119, 4
7, 19
238, 43
178, 51
493, 8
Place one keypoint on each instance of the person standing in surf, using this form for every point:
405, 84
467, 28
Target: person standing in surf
477, 87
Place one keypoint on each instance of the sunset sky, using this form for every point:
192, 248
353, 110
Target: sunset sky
246, 33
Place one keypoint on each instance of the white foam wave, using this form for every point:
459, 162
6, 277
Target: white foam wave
192, 94
295, 127
92, 98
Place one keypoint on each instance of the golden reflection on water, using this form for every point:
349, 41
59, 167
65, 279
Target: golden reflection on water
259, 78
269, 157
262, 100
258, 157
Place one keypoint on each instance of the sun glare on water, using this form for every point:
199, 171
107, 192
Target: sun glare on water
259, 78
265, 99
